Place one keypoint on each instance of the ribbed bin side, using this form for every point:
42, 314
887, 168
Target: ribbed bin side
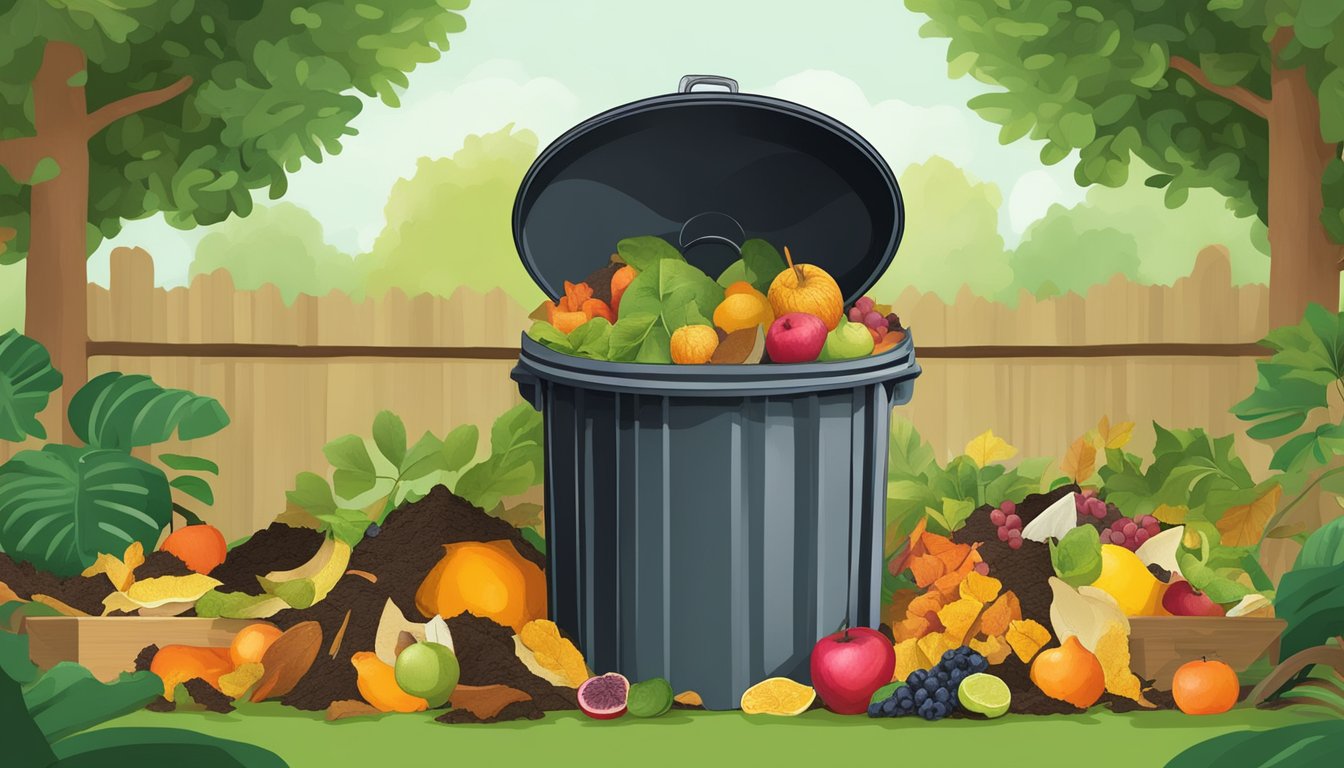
709, 540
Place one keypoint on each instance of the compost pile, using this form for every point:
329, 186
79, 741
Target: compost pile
79, 595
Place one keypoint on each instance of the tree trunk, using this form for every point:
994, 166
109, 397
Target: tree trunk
1304, 262
57, 311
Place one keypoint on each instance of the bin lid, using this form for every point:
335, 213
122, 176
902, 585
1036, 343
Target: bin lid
707, 170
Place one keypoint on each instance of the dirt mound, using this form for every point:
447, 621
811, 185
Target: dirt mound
276, 548
83, 593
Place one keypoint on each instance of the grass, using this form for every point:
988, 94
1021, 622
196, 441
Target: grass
1132, 740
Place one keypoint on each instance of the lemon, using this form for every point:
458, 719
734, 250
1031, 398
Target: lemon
985, 694
777, 696
1125, 578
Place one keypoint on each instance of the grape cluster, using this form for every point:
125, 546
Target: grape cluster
863, 312
932, 693
1089, 506
1131, 533
1010, 524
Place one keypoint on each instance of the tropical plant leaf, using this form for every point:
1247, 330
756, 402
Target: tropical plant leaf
159, 746
26, 383
515, 462
67, 698
183, 463
24, 743
1324, 548
61, 506
124, 411
1303, 744
194, 487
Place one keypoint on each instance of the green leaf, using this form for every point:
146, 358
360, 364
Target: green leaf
194, 487
183, 463
14, 661
347, 525
425, 457
61, 506
1077, 557
389, 434
951, 514
459, 447
355, 474
761, 264
592, 339
26, 383
79, 79
1199, 568
908, 456
663, 297
1301, 744
67, 698
24, 743
1324, 548
311, 494
549, 336
515, 461
1311, 600
643, 252
638, 335
46, 169
535, 539
159, 746
120, 410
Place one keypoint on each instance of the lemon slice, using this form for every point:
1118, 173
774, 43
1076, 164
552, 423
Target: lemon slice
777, 696
984, 694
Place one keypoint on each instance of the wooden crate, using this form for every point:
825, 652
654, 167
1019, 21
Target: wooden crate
108, 645
1159, 645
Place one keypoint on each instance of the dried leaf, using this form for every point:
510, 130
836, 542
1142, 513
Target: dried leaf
908, 658
1242, 526
926, 569
543, 311
980, 588
238, 682
1026, 638
1253, 605
8, 595
1079, 461
1114, 436
986, 448
119, 570
957, 618
340, 710
485, 701
1171, 515
997, 617
994, 649
363, 575
58, 606
689, 698
554, 652
288, 659
1113, 652
934, 645
529, 660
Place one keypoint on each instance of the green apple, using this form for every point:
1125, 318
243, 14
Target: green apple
848, 340
428, 670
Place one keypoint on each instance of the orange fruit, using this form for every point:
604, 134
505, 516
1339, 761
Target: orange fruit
619, 282
741, 286
176, 664
743, 310
694, 344
777, 696
490, 579
377, 683
251, 642
201, 547
1205, 687
1069, 673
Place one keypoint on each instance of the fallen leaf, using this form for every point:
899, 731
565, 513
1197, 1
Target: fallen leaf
288, 659
485, 701
908, 658
8, 595
119, 570
1079, 461
980, 588
997, 617
1171, 515
957, 618
554, 652
238, 682
1026, 637
58, 606
1241, 526
987, 448
340, 710
689, 698
1114, 436
911, 627
993, 648
934, 645
149, 593
926, 569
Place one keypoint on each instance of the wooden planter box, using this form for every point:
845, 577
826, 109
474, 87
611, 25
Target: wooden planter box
1159, 645
108, 645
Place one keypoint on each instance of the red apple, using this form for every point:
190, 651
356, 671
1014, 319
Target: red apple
795, 338
1182, 599
848, 666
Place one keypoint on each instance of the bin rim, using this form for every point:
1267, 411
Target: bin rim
539, 362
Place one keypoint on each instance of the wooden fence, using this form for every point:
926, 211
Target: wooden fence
293, 377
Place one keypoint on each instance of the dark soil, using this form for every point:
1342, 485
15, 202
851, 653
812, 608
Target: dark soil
145, 658
277, 548
600, 282
405, 550
207, 696
518, 710
84, 593
159, 564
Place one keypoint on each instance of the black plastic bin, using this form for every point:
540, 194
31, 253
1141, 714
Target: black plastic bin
707, 524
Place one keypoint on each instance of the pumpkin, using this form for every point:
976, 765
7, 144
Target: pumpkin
489, 579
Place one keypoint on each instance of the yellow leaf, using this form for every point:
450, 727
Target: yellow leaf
1242, 526
1080, 461
987, 448
1114, 436
1171, 515
553, 652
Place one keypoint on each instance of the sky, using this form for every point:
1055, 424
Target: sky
545, 65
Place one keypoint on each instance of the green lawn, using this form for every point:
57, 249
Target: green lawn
1136, 740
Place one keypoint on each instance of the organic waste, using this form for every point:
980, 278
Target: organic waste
664, 310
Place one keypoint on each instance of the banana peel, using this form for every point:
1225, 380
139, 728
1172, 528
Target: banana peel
300, 587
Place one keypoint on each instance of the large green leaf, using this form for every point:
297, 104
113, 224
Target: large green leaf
1311, 600
61, 506
515, 463
159, 746
909, 456
67, 698
121, 410
26, 383
1304, 744
23, 743
1323, 548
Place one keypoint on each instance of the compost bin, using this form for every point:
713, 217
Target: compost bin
707, 524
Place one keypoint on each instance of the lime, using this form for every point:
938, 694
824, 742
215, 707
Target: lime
985, 694
651, 698
884, 693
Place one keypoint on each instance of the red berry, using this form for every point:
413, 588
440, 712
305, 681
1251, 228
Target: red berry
1003, 533
996, 516
1008, 507
1015, 544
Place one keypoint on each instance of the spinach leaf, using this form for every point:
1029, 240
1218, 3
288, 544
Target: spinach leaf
646, 251
1077, 557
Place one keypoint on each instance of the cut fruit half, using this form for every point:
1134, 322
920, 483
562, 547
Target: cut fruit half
604, 697
777, 696
984, 694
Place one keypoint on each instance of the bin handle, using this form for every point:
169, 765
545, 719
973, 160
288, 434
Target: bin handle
714, 227
690, 81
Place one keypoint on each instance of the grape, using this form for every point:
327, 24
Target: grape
1014, 543
874, 320
893, 322
864, 305
855, 315
996, 516
1013, 521
1003, 534
1141, 535
1014, 533
1008, 507
875, 709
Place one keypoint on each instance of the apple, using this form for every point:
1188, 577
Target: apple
849, 665
795, 338
1182, 599
847, 341
806, 288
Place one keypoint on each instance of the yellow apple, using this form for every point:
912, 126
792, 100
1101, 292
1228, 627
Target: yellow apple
807, 288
